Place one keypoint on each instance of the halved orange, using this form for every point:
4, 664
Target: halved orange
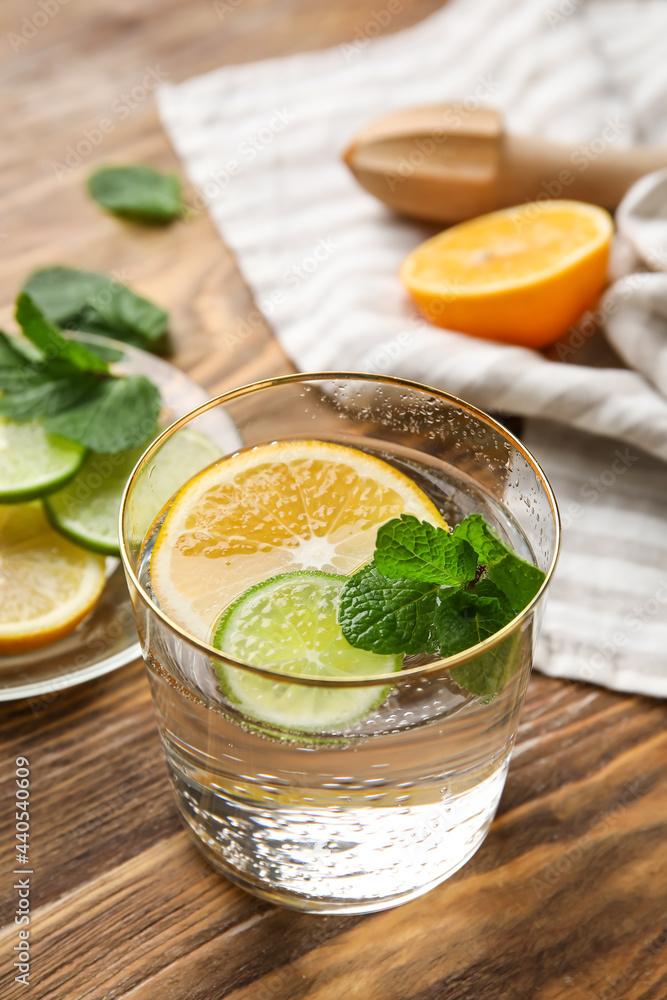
522, 275
276, 508
47, 584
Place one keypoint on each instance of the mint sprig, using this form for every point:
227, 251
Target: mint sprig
414, 549
429, 591
481, 536
518, 580
68, 356
96, 303
487, 674
71, 387
388, 616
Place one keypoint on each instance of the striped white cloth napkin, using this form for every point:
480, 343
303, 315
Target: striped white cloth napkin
262, 143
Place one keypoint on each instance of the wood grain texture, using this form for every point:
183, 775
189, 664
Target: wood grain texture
566, 899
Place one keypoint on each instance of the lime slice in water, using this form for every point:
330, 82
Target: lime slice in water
288, 623
34, 463
86, 510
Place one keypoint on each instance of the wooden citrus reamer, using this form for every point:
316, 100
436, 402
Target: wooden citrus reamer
448, 163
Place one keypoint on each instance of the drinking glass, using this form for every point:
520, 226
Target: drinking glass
378, 812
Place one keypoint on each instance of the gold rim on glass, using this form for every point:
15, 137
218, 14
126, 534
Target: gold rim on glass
374, 680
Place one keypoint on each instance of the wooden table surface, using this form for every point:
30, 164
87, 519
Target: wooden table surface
566, 899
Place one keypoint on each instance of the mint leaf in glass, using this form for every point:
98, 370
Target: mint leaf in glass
137, 193
416, 550
387, 616
486, 675
429, 591
517, 579
481, 536
464, 618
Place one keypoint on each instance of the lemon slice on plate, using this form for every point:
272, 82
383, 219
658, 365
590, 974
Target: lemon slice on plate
47, 584
276, 508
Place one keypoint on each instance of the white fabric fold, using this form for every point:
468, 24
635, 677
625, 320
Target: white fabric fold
262, 143
636, 325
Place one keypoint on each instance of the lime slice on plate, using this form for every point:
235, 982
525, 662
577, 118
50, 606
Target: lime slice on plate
288, 624
86, 510
34, 463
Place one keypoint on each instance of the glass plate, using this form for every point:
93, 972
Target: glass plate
107, 638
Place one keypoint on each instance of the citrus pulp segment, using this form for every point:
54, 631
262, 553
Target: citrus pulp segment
47, 584
521, 275
272, 509
34, 463
288, 623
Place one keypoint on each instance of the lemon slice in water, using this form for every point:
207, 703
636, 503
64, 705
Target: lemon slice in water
273, 509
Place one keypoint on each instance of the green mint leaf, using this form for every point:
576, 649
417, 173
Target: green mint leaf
44, 398
398, 603
466, 617
95, 303
57, 351
137, 193
517, 579
129, 317
19, 379
481, 536
115, 414
416, 550
105, 352
19, 366
487, 675
62, 292
387, 616
11, 355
